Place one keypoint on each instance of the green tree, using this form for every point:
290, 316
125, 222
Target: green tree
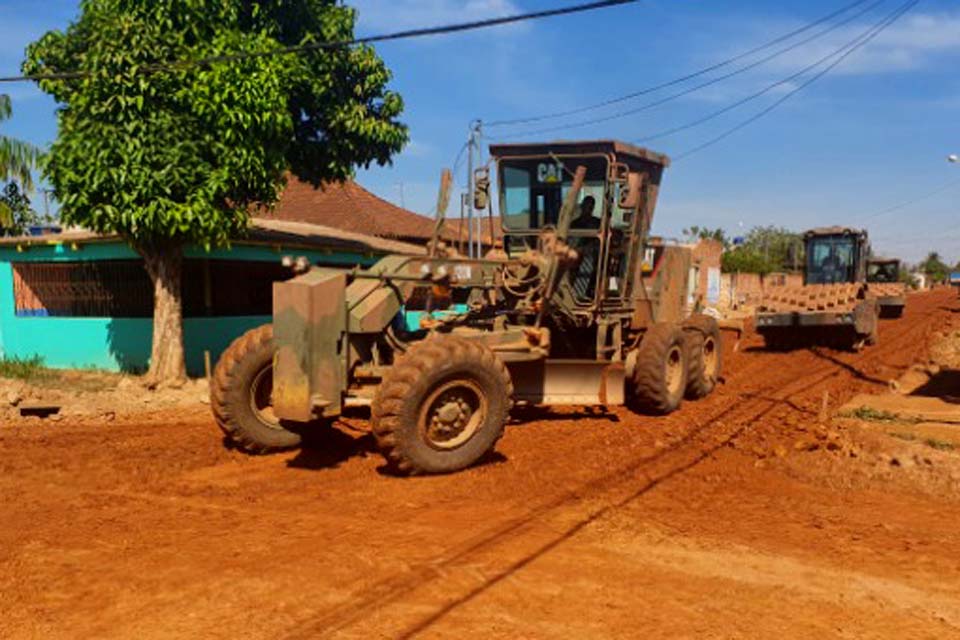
934, 267
747, 260
781, 248
16, 214
696, 232
168, 155
764, 250
17, 158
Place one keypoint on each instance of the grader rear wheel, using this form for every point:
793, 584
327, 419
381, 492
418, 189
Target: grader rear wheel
704, 355
660, 374
441, 407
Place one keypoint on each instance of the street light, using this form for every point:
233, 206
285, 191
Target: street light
953, 158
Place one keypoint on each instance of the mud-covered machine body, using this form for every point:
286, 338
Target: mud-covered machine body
834, 306
883, 279
441, 346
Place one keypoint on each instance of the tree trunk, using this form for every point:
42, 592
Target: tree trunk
164, 264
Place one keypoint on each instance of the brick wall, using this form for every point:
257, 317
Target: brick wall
706, 255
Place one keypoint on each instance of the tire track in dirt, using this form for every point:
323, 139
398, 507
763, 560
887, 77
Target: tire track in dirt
469, 561
390, 590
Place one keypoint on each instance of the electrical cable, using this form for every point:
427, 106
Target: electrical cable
904, 205
698, 87
676, 81
339, 44
896, 15
689, 125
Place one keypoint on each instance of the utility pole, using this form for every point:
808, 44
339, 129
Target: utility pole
46, 204
473, 145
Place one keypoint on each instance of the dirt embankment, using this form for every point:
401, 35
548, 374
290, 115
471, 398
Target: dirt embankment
751, 513
93, 396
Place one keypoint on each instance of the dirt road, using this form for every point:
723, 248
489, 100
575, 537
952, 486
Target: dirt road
738, 516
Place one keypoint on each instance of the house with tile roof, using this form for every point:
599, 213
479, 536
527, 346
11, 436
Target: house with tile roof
350, 207
79, 299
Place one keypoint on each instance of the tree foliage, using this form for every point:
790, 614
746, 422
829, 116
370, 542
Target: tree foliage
16, 214
696, 232
934, 267
764, 250
746, 260
17, 158
180, 155
169, 154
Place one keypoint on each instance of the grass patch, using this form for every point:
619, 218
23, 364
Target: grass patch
939, 445
869, 414
909, 437
30, 369
933, 443
33, 371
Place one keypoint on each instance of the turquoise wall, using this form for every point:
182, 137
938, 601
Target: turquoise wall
123, 344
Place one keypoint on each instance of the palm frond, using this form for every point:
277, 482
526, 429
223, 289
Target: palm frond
17, 161
17, 158
6, 216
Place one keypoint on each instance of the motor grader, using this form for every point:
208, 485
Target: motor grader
883, 278
440, 347
834, 307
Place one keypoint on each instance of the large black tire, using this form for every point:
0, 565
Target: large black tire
660, 374
240, 395
891, 311
704, 355
441, 407
777, 340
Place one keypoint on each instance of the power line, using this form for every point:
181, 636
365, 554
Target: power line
339, 44
676, 81
702, 85
863, 41
689, 125
907, 203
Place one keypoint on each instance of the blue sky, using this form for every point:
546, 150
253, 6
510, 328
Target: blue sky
870, 135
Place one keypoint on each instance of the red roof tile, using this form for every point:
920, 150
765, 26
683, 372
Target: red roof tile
349, 207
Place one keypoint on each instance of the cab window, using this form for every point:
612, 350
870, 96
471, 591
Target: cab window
534, 189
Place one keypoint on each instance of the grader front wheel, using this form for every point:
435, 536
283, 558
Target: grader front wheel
660, 374
442, 406
240, 395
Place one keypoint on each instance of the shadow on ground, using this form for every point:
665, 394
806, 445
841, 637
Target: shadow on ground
327, 448
944, 385
521, 415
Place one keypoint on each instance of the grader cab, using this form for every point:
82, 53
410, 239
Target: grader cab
441, 346
883, 278
834, 306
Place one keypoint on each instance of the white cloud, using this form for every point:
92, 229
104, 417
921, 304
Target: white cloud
914, 42
417, 149
406, 14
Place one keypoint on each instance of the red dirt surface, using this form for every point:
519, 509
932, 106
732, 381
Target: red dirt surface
741, 515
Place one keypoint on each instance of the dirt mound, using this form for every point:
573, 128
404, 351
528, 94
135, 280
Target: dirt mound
945, 349
91, 395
